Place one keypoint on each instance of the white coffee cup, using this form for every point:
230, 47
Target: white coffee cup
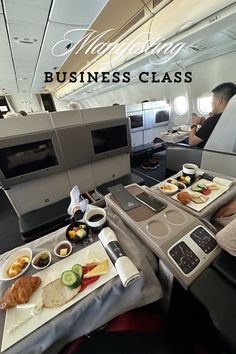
95, 218
189, 169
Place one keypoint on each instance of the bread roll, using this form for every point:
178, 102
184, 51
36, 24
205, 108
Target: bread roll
184, 197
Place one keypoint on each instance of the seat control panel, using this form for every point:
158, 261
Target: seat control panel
203, 239
184, 257
192, 250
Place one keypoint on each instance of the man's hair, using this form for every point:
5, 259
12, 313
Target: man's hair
225, 90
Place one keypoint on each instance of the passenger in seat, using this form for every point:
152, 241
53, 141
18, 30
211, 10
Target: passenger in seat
221, 96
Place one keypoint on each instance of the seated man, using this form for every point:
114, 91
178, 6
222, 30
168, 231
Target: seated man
221, 96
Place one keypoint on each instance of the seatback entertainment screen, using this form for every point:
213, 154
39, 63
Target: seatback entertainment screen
136, 120
162, 116
26, 158
108, 139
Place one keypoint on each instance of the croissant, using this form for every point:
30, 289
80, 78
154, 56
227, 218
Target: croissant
19, 292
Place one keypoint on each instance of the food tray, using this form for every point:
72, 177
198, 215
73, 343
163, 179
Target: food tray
19, 322
212, 196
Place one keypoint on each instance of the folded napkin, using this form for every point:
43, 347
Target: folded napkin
223, 181
124, 266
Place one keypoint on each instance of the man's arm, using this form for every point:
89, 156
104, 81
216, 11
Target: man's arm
193, 139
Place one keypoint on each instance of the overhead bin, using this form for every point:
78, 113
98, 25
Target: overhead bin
136, 41
181, 15
157, 5
102, 64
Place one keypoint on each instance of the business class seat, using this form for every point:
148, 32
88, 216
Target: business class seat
220, 146
39, 222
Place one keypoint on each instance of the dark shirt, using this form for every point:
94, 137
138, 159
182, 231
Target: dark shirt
207, 128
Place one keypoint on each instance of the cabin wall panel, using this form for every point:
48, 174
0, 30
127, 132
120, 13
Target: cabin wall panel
60, 105
137, 138
210, 73
150, 134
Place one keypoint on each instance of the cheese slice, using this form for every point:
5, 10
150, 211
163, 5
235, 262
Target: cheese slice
100, 269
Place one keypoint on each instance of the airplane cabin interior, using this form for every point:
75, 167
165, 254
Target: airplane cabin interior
117, 233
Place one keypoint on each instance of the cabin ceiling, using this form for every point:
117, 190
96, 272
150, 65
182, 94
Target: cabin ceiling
30, 28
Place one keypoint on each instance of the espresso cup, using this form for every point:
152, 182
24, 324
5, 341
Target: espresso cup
189, 169
95, 218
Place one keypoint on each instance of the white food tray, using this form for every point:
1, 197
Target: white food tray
19, 322
211, 197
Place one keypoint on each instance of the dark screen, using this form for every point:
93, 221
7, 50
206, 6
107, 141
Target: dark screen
136, 121
109, 139
162, 116
22, 159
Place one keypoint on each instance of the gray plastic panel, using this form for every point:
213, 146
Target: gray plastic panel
160, 231
75, 145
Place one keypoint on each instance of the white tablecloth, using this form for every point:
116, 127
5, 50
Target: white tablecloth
100, 306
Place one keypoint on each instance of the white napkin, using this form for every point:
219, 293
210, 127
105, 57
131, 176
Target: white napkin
125, 267
126, 270
223, 181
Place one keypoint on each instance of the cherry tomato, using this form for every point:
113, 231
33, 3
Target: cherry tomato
86, 282
206, 191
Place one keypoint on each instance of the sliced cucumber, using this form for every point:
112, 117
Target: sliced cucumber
77, 268
70, 279
197, 189
202, 186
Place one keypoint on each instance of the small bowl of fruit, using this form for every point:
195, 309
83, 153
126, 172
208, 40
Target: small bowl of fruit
77, 231
42, 260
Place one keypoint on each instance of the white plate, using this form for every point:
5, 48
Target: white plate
22, 252
19, 322
211, 197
